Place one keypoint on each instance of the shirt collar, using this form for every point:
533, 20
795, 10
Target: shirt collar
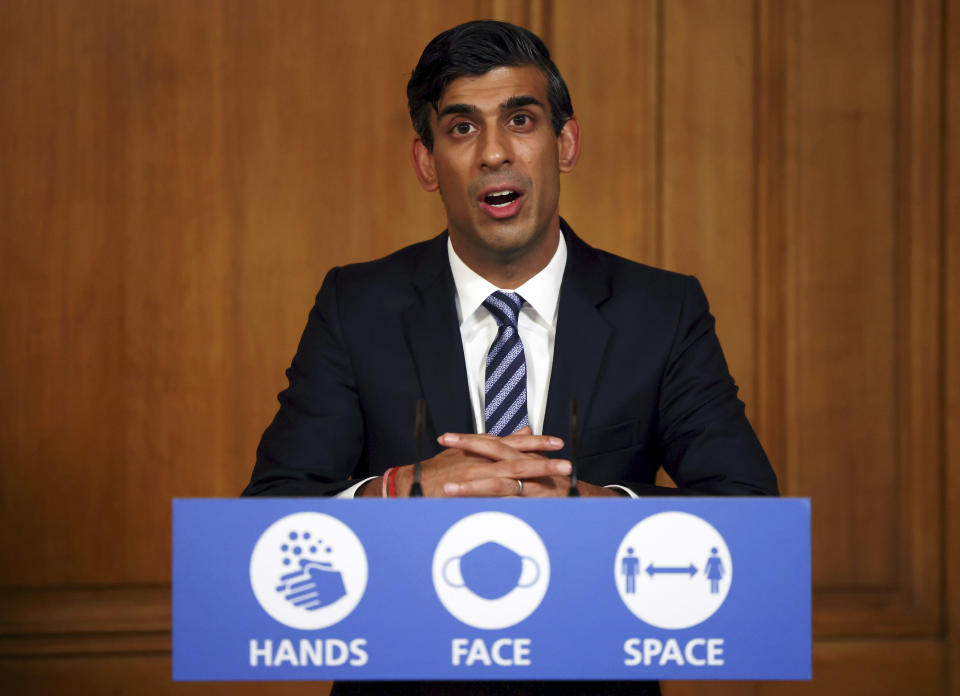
542, 291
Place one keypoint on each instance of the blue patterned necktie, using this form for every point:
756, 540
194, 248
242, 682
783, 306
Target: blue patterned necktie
505, 388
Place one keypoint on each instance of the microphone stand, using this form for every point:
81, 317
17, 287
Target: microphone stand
574, 491
416, 490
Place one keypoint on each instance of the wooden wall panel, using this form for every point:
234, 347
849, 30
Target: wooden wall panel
850, 668
63, 310
861, 318
178, 177
951, 315
708, 165
845, 283
612, 198
185, 174
130, 675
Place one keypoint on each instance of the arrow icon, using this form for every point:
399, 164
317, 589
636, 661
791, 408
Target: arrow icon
653, 570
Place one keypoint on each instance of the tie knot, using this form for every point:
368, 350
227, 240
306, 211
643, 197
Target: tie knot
505, 307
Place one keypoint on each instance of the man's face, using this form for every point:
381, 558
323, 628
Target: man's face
496, 162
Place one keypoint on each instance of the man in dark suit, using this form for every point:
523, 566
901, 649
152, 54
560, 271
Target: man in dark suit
500, 321
635, 346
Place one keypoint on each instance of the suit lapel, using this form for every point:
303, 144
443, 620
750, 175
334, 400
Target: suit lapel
582, 336
435, 344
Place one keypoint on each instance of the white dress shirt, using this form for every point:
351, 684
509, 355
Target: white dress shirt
537, 326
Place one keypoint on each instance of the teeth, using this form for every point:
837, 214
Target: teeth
501, 199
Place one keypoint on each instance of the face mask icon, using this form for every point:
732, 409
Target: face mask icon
490, 570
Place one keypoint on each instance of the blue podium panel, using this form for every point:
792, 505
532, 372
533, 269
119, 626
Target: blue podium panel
370, 589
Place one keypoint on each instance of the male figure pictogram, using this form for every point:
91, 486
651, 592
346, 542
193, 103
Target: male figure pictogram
630, 567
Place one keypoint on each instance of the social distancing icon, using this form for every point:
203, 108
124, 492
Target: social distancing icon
673, 570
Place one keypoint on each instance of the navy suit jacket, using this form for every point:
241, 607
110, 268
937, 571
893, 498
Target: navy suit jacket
635, 345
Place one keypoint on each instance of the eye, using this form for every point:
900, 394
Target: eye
520, 120
462, 128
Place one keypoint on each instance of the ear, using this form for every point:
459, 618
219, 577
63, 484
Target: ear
423, 166
568, 145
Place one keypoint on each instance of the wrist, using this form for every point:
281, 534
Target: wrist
404, 479
590, 490
370, 489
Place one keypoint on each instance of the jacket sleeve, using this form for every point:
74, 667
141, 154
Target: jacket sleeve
317, 435
708, 445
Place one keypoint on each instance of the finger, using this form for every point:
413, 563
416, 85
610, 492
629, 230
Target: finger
500, 447
546, 487
511, 470
485, 488
451, 464
533, 468
525, 441
541, 487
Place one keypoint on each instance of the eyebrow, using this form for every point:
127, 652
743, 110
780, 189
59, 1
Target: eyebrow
471, 110
522, 100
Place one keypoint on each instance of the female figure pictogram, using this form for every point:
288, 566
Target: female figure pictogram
714, 571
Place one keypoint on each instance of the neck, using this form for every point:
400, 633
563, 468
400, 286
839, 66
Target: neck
509, 269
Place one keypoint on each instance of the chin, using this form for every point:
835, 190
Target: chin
510, 241
510, 232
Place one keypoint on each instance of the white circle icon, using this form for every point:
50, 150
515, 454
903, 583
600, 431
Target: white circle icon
308, 570
491, 570
673, 570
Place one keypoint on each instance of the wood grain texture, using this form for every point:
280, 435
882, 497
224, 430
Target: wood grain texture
612, 197
844, 273
951, 318
708, 165
774, 108
862, 315
867, 668
611, 58
179, 176
38, 613
535, 15
857, 668
130, 675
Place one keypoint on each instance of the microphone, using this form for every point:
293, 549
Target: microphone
574, 492
416, 491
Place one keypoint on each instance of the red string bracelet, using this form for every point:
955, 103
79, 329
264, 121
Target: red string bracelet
393, 482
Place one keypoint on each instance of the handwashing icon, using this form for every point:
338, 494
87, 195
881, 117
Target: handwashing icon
314, 585
308, 570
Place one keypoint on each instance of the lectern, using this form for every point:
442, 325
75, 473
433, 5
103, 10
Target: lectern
499, 589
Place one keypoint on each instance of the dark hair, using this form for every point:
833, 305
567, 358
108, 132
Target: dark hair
475, 48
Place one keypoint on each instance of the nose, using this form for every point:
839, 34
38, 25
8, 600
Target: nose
494, 149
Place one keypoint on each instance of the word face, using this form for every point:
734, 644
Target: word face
505, 652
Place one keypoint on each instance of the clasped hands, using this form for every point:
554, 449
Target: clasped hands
483, 465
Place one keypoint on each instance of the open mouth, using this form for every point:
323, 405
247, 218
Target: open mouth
501, 199
503, 204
